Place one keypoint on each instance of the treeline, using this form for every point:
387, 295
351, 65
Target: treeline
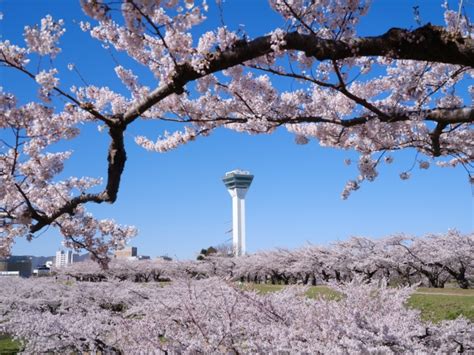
432, 260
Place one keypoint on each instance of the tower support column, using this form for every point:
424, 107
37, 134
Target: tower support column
238, 221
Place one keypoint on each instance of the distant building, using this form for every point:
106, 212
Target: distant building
126, 253
3, 265
143, 257
63, 258
43, 270
19, 264
9, 274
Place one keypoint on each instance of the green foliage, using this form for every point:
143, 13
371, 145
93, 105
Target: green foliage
206, 252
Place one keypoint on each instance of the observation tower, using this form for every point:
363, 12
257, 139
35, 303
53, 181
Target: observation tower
238, 183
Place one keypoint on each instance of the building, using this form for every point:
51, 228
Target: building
143, 257
42, 270
130, 253
3, 265
18, 264
63, 258
9, 274
126, 253
238, 183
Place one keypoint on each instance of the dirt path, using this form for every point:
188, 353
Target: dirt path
442, 294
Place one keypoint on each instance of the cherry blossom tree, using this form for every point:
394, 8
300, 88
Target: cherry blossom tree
132, 270
431, 260
405, 88
214, 316
439, 257
455, 252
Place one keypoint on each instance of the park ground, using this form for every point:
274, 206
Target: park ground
435, 305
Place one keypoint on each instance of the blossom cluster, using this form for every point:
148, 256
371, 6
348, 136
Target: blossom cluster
44, 39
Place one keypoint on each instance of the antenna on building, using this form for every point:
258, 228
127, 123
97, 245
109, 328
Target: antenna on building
238, 183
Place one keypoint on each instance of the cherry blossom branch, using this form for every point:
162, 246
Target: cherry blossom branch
435, 135
156, 29
443, 116
427, 43
33, 211
298, 17
116, 159
342, 88
88, 107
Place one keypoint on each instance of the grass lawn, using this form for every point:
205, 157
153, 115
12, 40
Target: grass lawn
436, 307
313, 292
435, 304
8, 346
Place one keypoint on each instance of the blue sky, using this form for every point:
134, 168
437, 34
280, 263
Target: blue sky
177, 199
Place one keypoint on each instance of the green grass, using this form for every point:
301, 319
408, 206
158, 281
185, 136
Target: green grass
436, 308
8, 345
435, 304
263, 288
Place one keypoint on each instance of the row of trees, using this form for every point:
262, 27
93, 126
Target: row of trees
432, 260
214, 316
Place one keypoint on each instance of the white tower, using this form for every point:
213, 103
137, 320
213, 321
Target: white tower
238, 183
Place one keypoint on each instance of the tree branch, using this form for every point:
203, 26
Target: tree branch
88, 107
116, 158
427, 43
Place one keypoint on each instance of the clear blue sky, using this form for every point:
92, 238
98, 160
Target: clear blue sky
177, 199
